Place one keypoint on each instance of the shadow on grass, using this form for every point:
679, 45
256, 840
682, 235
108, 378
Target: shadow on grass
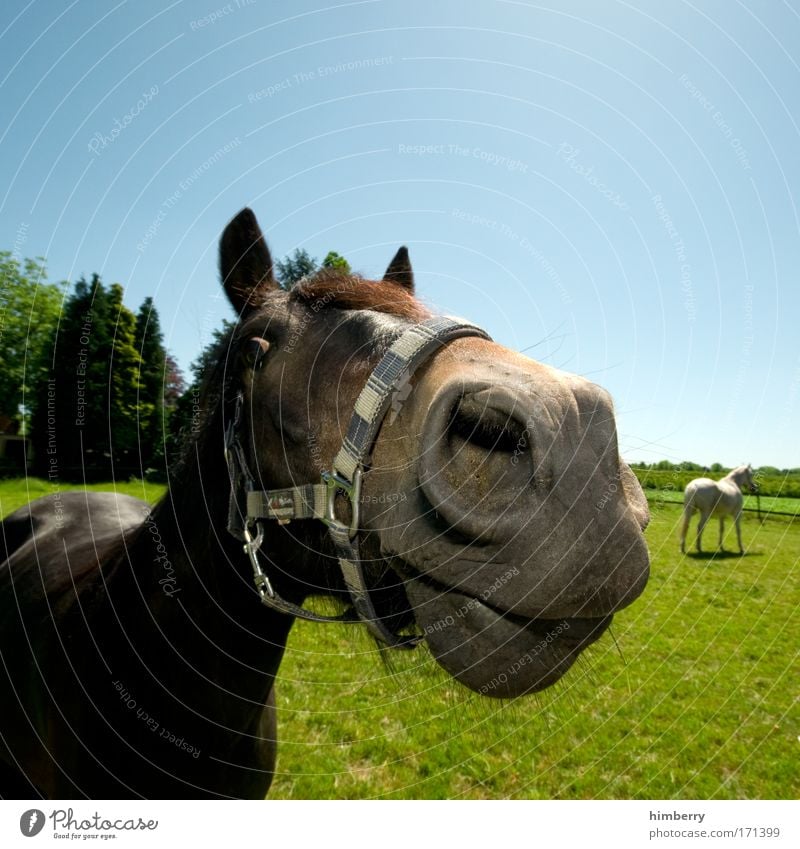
717, 555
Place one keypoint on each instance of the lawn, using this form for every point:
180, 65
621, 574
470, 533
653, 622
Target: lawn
14, 492
693, 695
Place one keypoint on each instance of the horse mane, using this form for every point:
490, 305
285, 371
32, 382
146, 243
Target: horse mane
331, 287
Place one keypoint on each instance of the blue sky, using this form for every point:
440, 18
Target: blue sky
607, 185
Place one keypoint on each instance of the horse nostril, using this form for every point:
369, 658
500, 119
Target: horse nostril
485, 427
479, 469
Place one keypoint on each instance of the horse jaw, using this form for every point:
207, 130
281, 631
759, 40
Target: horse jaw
495, 653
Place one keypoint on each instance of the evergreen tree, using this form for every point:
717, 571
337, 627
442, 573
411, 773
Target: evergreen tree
293, 268
124, 387
88, 338
149, 343
87, 406
70, 421
188, 415
105, 376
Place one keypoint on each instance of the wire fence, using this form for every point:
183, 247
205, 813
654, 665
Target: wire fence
773, 507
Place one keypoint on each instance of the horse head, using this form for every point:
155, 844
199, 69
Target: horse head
745, 477
495, 513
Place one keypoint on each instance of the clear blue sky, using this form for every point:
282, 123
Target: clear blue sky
609, 185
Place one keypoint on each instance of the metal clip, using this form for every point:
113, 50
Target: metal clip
251, 547
352, 490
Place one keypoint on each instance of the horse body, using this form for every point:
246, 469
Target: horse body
496, 516
717, 499
124, 675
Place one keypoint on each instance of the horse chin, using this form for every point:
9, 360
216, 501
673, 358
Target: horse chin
493, 652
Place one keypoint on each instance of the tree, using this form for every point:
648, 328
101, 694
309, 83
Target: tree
188, 416
124, 387
70, 417
293, 268
174, 383
29, 312
87, 409
60, 399
334, 260
149, 344
101, 397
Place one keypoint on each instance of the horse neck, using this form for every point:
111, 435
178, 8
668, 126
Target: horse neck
206, 603
738, 476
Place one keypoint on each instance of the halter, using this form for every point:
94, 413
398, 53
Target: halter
318, 500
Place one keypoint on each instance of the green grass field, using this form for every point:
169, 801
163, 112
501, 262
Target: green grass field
693, 695
14, 492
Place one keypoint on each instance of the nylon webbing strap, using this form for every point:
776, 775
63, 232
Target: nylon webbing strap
386, 382
297, 502
350, 564
280, 604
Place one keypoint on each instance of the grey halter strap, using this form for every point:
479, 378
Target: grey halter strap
318, 500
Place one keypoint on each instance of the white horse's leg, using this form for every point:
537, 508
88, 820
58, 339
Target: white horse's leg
721, 532
737, 520
704, 517
687, 516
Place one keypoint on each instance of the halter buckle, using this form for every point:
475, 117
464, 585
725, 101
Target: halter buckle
352, 490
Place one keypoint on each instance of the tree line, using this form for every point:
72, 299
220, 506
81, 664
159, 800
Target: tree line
666, 476
89, 382
714, 468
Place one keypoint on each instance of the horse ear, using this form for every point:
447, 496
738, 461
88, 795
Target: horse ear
400, 271
245, 263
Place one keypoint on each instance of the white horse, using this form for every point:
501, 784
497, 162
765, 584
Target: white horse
716, 498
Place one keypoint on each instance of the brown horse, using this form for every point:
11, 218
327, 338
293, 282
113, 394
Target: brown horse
489, 514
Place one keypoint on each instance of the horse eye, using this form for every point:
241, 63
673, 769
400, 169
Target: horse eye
254, 351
